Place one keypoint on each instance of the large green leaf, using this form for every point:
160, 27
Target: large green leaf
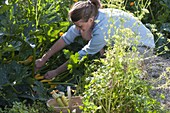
12, 73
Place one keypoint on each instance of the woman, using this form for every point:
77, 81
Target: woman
92, 24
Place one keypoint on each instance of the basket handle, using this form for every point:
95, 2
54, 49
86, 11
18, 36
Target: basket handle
69, 94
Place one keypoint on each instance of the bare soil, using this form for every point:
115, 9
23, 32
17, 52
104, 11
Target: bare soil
158, 75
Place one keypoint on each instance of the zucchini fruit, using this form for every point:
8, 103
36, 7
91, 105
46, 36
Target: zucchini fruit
60, 98
27, 61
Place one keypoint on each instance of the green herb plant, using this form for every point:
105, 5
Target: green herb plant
22, 107
114, 84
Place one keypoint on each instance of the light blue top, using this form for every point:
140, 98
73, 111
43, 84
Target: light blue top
101, 28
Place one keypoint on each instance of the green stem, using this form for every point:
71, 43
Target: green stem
72, 78
63, 83
34, 57
15, 90
63, 75
151, 13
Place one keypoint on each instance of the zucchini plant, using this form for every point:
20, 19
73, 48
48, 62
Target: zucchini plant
28, 28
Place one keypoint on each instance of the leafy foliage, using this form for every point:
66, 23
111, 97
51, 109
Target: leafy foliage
17, 84
31, 27
27, 28
20, 107
114, 84
159, 18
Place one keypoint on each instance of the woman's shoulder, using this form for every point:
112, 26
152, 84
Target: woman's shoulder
101, 19
105, 14
110, 10
114, 12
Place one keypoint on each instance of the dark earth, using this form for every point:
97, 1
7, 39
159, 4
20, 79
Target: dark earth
157, 71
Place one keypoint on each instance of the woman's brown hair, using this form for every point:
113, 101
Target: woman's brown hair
84, 10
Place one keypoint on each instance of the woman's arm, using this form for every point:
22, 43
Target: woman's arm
58, 45
66, 39
57, 71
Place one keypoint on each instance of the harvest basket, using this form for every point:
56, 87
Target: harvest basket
74, 103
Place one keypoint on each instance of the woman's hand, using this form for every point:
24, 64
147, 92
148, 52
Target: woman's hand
50, 74
57, 71
39, 63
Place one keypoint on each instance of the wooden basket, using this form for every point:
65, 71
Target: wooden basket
74, 103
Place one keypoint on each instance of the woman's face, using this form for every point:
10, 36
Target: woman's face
84, 26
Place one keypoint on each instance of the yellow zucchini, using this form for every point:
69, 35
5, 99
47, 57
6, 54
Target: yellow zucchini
65, 100
53, 86
57, 98
27, 61
46, 80
39, 77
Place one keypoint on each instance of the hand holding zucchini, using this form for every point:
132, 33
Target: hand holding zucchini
41, 79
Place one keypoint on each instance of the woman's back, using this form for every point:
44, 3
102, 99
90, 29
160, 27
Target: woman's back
115, 19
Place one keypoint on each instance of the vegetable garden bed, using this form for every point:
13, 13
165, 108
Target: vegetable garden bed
29, 28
